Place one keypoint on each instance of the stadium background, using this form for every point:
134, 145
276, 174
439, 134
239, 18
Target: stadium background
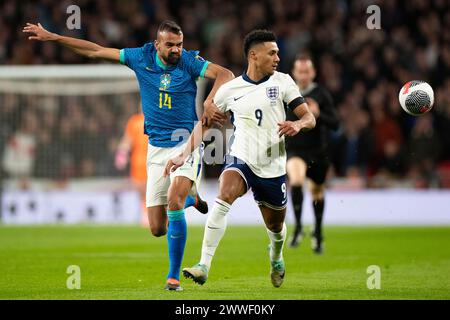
65, 139
57, 150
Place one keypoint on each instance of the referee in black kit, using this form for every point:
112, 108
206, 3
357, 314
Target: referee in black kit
307, 153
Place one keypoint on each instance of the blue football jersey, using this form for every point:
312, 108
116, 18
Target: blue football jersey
167, 92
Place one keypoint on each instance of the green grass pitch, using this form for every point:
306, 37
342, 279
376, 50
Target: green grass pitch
128, 263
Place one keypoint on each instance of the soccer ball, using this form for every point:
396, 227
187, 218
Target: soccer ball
416, 97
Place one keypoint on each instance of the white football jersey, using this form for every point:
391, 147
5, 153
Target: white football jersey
256, 109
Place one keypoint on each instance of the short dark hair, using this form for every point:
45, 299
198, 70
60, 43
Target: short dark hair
256, 37
170, 26
304, 57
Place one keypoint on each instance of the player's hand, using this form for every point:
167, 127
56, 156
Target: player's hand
212, 114
38, 32
289, 128
313, 106
173, 164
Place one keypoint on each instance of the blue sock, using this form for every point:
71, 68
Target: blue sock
190, 201
176, 238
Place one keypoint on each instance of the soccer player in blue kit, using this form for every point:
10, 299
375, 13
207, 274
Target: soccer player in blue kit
166, 74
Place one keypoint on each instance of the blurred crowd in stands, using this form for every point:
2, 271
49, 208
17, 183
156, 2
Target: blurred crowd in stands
63, 137
363, 69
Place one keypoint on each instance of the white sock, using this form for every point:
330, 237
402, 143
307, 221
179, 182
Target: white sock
214, 230
276, 243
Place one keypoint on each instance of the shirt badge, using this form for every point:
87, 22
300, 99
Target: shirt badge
272, 93
164, 81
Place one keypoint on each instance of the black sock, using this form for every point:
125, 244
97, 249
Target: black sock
318, 206
297, 200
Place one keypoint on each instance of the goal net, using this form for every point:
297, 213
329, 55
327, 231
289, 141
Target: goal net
63, 122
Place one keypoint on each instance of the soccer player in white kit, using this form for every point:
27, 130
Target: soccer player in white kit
257, 157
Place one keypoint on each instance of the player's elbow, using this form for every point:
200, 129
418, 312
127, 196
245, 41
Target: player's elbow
313, 121
230, 74
226, 74
311, 124
91, 55
98, 52
95, 54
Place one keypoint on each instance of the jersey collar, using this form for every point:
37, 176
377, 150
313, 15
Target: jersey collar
246, 78
159, 63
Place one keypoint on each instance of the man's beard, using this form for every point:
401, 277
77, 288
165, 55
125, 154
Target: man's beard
173, 59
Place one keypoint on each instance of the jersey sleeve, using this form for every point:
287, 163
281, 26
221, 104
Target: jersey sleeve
220, 99
196, 65
130, 57
292, 96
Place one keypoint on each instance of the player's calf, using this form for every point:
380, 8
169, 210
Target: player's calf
158, 231
157, 219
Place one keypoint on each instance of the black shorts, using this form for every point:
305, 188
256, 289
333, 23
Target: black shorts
317, 163
270, 192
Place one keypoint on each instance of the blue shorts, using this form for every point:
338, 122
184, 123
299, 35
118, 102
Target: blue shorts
269, 192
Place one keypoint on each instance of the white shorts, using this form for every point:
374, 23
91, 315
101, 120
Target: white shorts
157, 184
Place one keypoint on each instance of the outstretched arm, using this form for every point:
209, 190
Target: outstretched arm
79, 46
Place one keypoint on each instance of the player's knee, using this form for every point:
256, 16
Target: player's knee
317, 196
296, 174
317, 193
175, 199
296, 180
296, 183
228, 195
275, 227
227, 198
176, 202
230, 192
158, 231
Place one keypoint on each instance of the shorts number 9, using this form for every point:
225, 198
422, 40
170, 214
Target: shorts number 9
283, 189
